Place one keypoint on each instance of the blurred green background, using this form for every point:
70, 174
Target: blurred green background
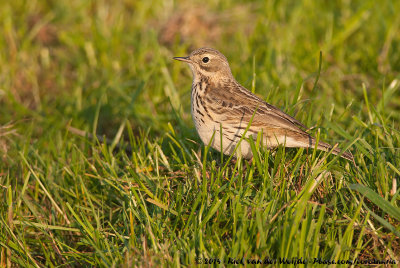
61, 59
106, 68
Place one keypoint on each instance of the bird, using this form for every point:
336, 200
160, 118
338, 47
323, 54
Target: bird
226, 113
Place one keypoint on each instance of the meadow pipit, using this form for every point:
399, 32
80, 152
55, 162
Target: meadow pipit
219, 102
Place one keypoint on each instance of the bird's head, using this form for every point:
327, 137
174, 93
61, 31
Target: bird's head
207, 62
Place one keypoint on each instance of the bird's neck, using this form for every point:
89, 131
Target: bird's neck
202, 84
215, 78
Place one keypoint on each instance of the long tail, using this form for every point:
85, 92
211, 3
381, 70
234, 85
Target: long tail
327, 148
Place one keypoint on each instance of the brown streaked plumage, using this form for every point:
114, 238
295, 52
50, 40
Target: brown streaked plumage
220, 102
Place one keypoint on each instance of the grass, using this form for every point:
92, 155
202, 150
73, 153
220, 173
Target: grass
101, 166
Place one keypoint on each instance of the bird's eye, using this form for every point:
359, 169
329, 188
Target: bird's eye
205, 59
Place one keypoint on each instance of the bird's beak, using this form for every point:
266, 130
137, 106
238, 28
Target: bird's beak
185, 59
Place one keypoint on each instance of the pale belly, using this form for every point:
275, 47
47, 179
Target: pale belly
210, 134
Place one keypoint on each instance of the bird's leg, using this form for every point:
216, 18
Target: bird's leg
248, 164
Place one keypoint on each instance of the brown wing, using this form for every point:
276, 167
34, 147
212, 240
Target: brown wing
237, 106
237, 103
